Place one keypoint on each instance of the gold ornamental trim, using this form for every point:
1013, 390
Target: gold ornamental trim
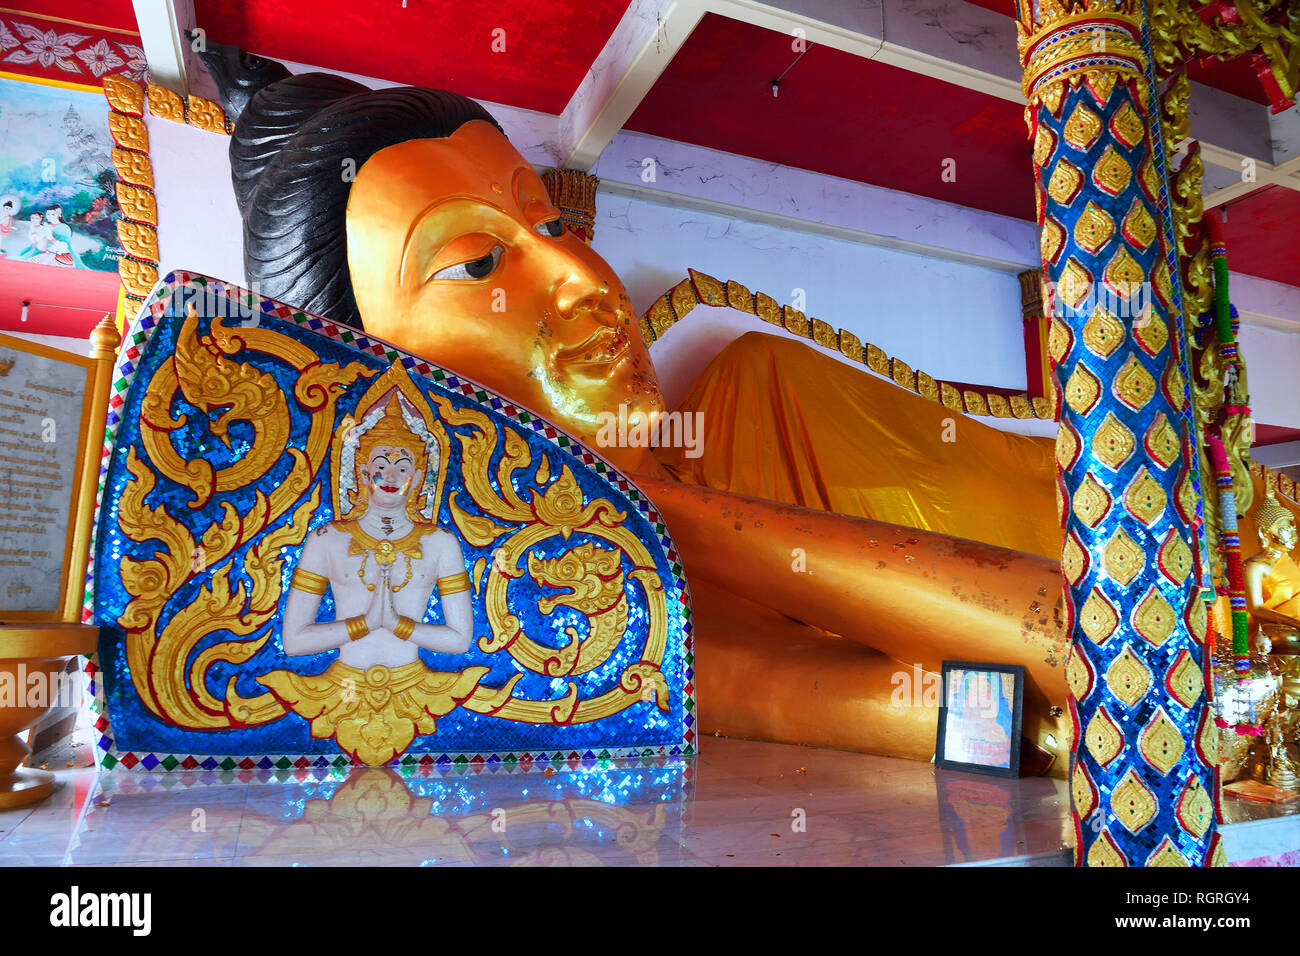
137, 224
1072, 40
698, 288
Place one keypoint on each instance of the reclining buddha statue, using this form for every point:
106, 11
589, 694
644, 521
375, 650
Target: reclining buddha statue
809, 623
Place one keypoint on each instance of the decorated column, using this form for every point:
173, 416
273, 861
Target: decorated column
1142, 766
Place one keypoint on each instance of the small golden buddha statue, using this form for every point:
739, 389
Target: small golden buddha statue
1273, 597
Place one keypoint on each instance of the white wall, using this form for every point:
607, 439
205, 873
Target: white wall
1273, 374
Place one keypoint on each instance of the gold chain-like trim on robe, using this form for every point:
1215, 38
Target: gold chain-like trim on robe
701, 289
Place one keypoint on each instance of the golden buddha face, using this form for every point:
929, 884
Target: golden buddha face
458, 255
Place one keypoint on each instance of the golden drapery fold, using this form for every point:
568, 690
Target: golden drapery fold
785, 422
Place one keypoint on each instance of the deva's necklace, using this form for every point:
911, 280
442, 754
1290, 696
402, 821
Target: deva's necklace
384, 549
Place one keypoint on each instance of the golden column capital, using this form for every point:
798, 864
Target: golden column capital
1069, 39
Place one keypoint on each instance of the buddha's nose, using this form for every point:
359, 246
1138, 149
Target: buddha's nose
581, 292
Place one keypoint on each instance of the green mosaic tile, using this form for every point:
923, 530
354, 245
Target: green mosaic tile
284, 763
169, 762
227, 764
108, 761
461, 760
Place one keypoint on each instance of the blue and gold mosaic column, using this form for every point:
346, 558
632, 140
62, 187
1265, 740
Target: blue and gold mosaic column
1142, 764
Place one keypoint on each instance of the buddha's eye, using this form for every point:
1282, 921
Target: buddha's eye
474, 269
553, 228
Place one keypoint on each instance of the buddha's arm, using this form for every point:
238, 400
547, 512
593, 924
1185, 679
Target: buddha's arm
454, 636
1255, 574
917, 596
300, 634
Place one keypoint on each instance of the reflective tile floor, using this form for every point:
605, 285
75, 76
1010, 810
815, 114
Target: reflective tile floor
739, 803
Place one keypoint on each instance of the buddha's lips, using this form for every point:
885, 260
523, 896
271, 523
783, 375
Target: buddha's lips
389, 489
602, 347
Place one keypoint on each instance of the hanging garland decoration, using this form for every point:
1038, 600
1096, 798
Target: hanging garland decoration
1230, 545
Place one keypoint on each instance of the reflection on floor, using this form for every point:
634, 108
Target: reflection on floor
738, 803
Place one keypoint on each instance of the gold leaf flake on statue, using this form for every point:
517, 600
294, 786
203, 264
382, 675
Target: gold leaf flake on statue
1065, 181
1161, 743
1175, 557
1154, 618
1138, 226
1078, 675
1083, 127
1112, 443
1123, 558
1082, 390
1103, 738
1074, 559
1112, 172
1133, 803
1127, 677
1166, 854
1134, 385
1194, 808
1094, 228
1083, 792
1127, 126
1184, 679
1104, 852
1103, 333
1098, 617
1145, 499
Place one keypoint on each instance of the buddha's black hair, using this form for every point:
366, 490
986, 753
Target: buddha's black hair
298, 143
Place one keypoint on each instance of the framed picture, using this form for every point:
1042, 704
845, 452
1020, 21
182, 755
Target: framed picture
979, 718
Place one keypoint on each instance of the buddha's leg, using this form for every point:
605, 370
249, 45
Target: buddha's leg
918, 597
764, 676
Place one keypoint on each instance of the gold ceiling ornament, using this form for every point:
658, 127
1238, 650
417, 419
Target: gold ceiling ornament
1103, 737
699, 288
1128, 678
1144, 498
1269, 29
1133, 803
1098, 617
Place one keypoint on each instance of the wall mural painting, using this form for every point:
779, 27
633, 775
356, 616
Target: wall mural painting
314, 548
58, 202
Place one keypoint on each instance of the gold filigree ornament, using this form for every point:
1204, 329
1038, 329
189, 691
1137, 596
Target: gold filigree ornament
1091, 501
1103, 333
1112, 443
1064, 183
1105, 852
1154, 618
1194, 808
169, 673
1145, 499
1112, 172
1094, 228
1134, 385
1103, 737
1161, 743
1123, 558
1083, 791
1098, 617
1083, 127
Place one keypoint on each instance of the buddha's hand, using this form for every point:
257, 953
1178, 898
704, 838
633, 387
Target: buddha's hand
380, 602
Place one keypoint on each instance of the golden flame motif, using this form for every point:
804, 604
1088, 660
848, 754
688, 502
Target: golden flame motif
1184, 679
1138, 226
1082, 390
1097, 617
1127, 126
1194, 808
1104, 852
1161, 743
1134, 385
1074, 560
1154, 618
1094, 228
1112, 443
1075, 283
1133, 803
1044, 144
1078, 675
1162, 442
1082, 128
1067, 446
1103, 738
1128, 678
1052, 239
1102, 333
1145, 499
1058, 339
1112, 172
1091, 502
1175, 557
1123, 557
1084, 793
1166, 854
